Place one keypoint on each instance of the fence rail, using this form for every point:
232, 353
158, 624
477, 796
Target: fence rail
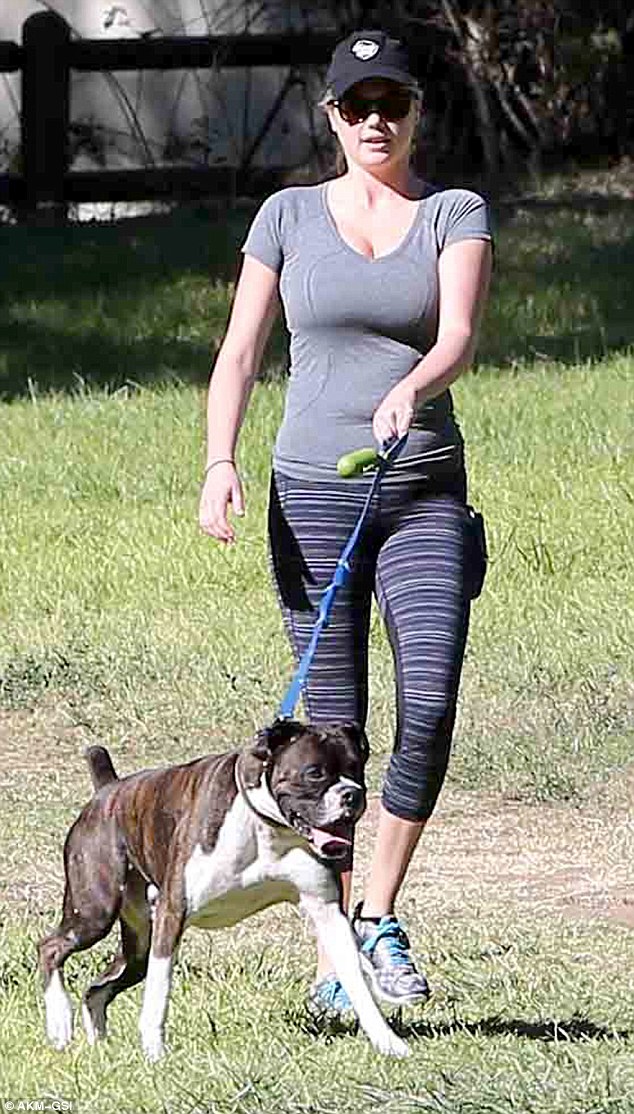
47, 56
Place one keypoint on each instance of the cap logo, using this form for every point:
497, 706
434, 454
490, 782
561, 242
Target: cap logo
364, 49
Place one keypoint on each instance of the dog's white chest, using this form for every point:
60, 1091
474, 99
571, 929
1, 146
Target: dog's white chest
233, 906
238, 877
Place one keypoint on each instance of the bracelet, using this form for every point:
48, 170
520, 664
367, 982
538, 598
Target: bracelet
221, 460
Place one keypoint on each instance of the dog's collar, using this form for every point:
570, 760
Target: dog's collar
260, 799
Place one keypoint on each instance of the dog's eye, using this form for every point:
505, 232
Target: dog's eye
313, 773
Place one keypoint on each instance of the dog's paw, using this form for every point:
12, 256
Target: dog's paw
391, 1045
152, 1044
59, 1014
59, 1025
94, 1019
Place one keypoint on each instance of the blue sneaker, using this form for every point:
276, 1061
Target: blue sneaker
384, 951
328, 1002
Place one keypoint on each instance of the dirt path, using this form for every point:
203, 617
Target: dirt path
482, 850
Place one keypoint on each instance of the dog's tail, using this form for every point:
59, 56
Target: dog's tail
100, 765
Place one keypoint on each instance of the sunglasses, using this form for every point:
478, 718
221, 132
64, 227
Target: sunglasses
391, 106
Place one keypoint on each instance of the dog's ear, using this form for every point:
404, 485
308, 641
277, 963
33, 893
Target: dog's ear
258, 753
357, 736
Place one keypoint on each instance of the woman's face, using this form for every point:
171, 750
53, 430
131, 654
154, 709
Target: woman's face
375, 122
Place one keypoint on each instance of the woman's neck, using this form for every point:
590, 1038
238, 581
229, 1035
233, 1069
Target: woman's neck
371, 189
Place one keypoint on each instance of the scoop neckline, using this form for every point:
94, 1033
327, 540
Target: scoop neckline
403, 242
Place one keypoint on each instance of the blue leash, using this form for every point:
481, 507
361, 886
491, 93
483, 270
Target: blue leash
386, 457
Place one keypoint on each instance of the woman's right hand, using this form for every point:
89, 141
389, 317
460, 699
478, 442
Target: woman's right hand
221, 488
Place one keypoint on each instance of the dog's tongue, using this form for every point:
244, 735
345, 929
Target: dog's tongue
321, 839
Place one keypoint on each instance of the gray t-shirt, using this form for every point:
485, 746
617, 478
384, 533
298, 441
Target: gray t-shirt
358, 326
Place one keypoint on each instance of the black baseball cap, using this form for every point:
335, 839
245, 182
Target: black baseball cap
366, 54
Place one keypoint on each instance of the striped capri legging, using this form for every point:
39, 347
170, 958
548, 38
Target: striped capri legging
416, 555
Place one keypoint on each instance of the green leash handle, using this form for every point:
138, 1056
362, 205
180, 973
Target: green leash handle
353, 464
359, 461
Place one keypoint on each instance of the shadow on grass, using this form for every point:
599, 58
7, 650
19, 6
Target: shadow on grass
549, 1032
95, 272
571, 272
118, 256
572, 1030
123, 285
36, 358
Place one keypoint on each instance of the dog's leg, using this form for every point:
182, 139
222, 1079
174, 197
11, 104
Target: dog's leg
169, 921
337, 939
126, 970
74, 934
95, 876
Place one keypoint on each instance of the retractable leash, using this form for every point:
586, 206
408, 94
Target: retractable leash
352, 464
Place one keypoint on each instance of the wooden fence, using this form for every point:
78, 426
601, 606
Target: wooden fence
47, 56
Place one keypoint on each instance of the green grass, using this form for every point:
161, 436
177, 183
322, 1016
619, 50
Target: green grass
109, 593
566, 281
120, 622
521, 1021
137, 302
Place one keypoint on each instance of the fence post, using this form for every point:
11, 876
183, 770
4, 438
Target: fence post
45, 110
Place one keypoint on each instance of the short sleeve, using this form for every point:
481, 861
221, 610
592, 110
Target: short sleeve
465, 216
264, 239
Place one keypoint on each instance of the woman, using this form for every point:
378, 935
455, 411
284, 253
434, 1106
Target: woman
383, 279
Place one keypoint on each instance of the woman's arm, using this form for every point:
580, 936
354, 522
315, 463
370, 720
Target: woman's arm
252, 315
464, 272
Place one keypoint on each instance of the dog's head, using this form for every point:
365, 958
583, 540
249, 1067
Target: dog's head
315, 773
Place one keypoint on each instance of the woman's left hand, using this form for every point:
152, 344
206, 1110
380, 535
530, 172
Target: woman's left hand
393, 417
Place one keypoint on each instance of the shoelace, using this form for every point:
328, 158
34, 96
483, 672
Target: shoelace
333, 996
396, 943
